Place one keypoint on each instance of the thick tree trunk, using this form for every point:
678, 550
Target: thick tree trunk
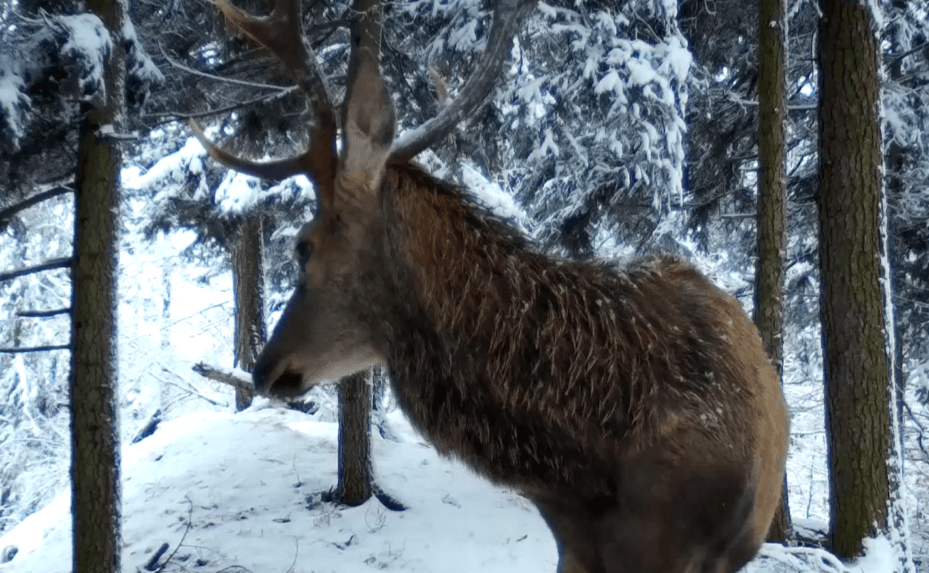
94, 408
355, 483
772, 214
857, 395
248, 286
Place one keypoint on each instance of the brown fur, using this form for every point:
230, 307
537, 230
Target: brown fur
634, 405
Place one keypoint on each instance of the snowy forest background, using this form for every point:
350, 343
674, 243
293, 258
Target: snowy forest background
614, 131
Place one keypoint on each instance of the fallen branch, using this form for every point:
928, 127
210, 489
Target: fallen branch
27, 349
152, 564
61, 263
147, 429
235, 379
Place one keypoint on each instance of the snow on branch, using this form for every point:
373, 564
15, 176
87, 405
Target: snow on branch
84, 47
14, 105
235, 378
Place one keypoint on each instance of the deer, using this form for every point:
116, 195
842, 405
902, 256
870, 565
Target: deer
632, 403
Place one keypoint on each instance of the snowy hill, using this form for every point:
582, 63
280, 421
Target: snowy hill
232, 492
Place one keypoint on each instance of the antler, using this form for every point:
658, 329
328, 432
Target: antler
280, 33
507, 17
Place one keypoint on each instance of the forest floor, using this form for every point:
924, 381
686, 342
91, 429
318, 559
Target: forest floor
238, 493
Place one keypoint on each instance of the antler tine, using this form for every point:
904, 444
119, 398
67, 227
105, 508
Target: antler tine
507, 17
272, 170
280, 33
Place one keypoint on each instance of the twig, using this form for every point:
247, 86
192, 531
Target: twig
190, 521
61, 263
226, 377
178, 116
181, 66
919, 426
296, 553
27, 349
188, 389
34, 200
43, 313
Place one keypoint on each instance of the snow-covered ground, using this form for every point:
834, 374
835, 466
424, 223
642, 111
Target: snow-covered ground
236, 493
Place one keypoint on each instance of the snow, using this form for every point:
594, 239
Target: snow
13, 104
86, 49
492, 196
248, 505
240, 490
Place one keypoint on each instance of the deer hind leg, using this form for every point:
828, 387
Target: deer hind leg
673, 517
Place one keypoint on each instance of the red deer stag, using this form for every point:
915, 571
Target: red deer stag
633, 405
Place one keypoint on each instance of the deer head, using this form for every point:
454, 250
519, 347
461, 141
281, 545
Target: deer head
321, 335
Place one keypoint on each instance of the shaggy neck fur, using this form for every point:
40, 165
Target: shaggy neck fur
537, 371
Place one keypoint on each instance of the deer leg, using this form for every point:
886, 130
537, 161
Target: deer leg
674, 515
574, 535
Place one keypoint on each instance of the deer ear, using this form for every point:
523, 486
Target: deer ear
369, 121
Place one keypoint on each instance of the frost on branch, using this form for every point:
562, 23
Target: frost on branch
601, 122
14, 105
83, 45
141, 73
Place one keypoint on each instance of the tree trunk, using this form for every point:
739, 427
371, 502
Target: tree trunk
248, 288
93, 386
857, 392
772, 214
355, 486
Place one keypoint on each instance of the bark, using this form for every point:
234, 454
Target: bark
855, 362
93, 386
355, 483
248, 288
772, 214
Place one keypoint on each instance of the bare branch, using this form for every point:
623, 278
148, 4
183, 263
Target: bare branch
230, 377
507, 18
61, 263
7, 213
178, 116
43, 313
30, 349
192, 71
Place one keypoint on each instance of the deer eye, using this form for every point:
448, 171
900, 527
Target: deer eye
304, 250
